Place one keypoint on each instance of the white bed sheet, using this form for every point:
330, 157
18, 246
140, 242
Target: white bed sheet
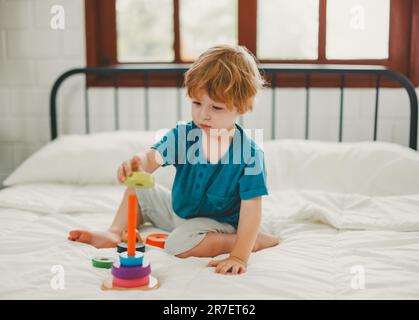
326, 237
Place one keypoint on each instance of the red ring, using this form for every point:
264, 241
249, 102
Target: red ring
156, 239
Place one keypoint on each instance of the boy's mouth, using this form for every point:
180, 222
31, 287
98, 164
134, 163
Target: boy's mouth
203, 126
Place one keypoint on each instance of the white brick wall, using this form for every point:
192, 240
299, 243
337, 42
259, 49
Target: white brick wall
2, 45
16, 14
32, 56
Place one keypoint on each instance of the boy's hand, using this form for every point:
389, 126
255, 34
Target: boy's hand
230, 265
128, 167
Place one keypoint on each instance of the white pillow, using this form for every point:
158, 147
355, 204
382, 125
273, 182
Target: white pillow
368, 168
87, 159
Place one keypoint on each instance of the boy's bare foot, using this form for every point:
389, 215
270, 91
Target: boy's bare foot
264, 241
104, 239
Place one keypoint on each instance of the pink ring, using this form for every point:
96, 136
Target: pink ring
130, 283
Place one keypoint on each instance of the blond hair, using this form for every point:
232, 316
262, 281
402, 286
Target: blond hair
228, 74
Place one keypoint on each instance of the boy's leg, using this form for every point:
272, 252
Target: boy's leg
205, 237
120, 221
111, 237
215, 243
156, 207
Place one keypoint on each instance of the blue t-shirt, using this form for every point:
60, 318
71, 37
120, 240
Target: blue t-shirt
203, 189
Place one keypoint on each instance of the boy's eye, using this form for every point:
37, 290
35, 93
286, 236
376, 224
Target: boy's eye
217, 108
196, 102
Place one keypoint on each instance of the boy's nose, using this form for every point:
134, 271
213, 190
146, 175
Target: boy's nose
205, 114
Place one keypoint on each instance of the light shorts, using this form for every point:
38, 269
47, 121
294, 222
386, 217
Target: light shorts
156, 207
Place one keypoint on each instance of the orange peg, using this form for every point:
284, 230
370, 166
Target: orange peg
132, 224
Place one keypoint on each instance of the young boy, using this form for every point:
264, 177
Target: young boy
216, 199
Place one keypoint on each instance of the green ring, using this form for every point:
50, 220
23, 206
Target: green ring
102, 262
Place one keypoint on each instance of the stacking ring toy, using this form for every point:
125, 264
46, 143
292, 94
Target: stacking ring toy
130, 283
131, 261
102, 262
122, 272
123, 246
156, 239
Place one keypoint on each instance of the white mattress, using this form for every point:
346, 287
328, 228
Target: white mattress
331, 241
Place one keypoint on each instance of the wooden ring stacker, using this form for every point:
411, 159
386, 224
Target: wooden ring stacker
138, 180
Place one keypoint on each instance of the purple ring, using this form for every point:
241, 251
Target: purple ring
130, 272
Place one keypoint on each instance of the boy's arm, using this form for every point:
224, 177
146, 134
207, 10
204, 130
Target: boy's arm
151, 160
248, 228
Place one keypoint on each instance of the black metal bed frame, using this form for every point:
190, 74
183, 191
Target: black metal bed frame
273, 69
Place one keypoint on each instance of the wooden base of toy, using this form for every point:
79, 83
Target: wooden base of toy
152, 284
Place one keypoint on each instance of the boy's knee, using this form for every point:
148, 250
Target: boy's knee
188, 253
172, 243
184, 255
180, 243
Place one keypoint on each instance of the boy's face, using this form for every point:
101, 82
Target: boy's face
208, 114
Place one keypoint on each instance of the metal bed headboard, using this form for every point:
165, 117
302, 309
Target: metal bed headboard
378, 72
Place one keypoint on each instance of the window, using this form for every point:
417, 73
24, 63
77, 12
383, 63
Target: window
287, 30
357, 29
211, 23
144, 30
383, 32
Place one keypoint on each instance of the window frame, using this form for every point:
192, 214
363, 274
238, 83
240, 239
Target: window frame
101, 46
